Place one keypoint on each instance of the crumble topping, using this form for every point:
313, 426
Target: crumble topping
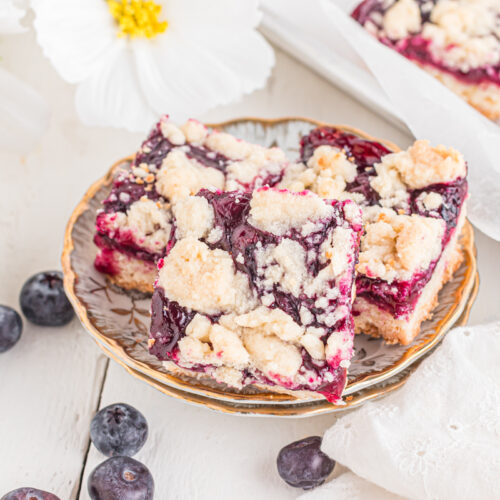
313, 345
264, 334
215, 235
272, 356
402, 19
238, 149
283, 264
396, 246
327, 173
172, 133
463, 34
279, 211
328, 161
194, 131
193, 217
420, 166
199, 328
228, 145
180, 176
228, 347
270, 321
429, 201
248, 172
224, 348
338, 343
204, 280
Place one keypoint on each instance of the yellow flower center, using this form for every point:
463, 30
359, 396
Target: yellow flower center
137, 18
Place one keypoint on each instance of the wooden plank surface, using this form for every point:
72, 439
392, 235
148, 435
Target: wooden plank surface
49, 390
194, 453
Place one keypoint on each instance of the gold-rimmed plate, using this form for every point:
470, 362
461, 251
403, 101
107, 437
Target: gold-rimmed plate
119, 320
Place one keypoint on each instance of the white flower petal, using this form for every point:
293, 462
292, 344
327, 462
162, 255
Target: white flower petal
74, 34
112, 95
199, 17
24, 115
210, 55
225, 29
185, 82
11, 13
249, 56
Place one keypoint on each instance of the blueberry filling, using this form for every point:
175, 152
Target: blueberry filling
416, 48
168, 324
125, 189
453, 195
126, 246
400, 297
156, 147
364, 153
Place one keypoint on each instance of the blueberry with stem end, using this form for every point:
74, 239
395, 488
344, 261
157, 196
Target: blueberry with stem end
121, 478
29, 494
302, 464
43, 300
11, 327
119, 429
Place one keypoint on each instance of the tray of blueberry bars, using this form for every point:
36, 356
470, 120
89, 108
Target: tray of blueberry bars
273, 267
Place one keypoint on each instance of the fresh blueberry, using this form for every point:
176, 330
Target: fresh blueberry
302, 464
121, 478
119, 429
11, 327
29, 494
43, 300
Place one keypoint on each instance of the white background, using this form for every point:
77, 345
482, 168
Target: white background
53, 381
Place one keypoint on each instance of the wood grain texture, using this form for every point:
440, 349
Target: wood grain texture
50, 387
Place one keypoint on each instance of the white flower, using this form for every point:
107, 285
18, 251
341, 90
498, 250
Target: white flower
24, 115
136, 59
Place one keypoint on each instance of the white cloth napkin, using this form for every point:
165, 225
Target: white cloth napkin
438, 437
429, 109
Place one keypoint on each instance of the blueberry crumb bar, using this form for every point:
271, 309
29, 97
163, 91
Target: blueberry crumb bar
257, 289
135, 223
413, 206
457, 41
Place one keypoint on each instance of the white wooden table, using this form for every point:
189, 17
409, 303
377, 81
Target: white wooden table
54, 380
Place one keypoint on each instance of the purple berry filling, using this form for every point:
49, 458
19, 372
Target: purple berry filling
400, 297
416, 48
125, 243
156, 147
365, 154
113, 203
